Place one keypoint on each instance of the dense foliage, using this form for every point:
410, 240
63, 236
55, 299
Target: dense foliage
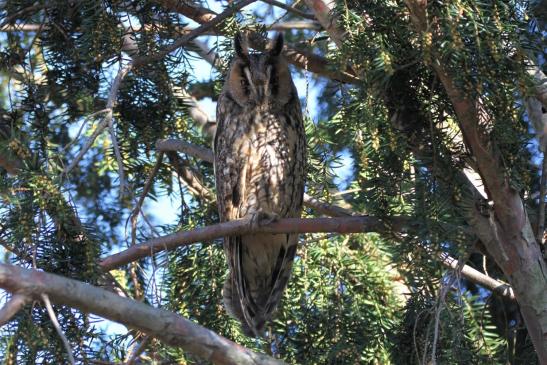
352, 299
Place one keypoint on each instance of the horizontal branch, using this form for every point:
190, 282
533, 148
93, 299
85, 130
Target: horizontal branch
243, 226
321, 207
166, 326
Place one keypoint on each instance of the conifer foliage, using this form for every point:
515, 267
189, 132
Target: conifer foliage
430, 120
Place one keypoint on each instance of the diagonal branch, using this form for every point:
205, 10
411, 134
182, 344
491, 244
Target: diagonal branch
12, 306
166, 326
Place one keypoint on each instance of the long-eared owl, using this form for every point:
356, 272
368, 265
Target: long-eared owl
260, 153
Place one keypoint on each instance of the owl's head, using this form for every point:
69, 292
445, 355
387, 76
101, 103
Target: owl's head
259, 78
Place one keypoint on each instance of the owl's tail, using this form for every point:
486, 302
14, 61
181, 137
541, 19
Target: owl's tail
233, 307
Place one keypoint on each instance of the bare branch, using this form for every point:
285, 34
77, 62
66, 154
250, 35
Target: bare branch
326, 208
290, 9
12, 306
189, 10
478, 277
200, 116
138, 350
53, 318
243, 226
191, 178
166, 326
110, 104
20, 28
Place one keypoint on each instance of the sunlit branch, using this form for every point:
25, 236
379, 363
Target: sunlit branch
166, 326
12, 307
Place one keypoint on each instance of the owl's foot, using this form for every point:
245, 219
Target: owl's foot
260, 219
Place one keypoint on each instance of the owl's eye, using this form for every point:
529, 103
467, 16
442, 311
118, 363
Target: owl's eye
244, 85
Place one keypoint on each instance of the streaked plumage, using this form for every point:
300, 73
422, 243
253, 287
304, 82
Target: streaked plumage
259, 168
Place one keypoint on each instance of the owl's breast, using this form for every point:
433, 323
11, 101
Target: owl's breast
270, 148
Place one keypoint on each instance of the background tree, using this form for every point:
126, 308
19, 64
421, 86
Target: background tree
436, 111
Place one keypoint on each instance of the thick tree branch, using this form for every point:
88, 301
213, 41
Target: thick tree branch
478, 277
243, 226
177, 145
167, 327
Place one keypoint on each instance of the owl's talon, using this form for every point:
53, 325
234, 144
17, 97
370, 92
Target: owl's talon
260, 219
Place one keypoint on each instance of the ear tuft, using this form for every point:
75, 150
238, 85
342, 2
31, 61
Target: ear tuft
277, 45
240, 45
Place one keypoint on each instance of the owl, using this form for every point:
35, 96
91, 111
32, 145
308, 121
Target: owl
259, 160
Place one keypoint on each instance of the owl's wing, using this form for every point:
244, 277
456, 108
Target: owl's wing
230, 170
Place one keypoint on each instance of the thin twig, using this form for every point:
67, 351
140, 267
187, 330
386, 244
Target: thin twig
542, 188
12, 306
146, 189
119, 160
80, 130
55, 322
137, 351
110, 104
